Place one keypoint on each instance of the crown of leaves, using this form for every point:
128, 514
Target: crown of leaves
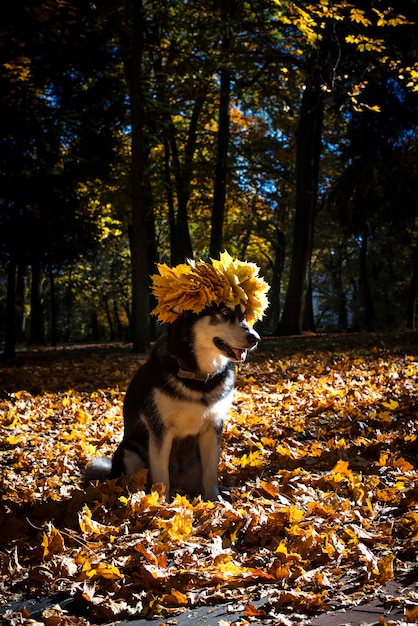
194, 286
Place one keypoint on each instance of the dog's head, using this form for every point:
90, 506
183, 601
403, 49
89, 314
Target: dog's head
223, 330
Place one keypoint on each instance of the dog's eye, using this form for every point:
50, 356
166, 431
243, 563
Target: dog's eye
225, 312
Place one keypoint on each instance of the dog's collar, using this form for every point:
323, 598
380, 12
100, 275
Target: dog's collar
182, 373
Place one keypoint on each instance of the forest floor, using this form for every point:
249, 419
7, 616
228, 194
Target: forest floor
319, 518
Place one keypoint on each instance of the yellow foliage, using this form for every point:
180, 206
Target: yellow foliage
89, 526
194, 286
319, 478
180, 526
101, 570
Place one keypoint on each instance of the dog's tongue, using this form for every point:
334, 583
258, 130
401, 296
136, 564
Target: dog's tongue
240, 355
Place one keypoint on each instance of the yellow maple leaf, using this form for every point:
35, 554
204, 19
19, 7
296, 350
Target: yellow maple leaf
180, 526
385, 568
253, 459
14, 440
89, 526
52, 543
341, 471
226, 568
392, 404
174, 598
110, 572
101, 570
295, 514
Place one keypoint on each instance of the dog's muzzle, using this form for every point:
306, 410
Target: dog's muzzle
234, 353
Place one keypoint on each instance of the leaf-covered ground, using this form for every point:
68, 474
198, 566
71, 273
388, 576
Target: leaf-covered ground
320, 473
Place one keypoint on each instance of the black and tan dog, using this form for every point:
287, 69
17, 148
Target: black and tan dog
176, 403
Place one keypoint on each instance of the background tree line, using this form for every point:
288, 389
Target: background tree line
145, 131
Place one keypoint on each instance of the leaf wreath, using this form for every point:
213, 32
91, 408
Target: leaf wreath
194, 286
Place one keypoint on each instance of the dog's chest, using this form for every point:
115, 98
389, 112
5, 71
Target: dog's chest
188, 416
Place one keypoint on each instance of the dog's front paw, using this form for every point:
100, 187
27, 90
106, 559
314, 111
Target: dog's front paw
97, 469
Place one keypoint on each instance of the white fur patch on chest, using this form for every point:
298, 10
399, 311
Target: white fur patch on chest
183, 417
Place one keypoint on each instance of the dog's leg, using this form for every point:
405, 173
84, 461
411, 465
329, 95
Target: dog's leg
209, 454
159, 459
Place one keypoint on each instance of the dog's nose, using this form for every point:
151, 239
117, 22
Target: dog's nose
253, 338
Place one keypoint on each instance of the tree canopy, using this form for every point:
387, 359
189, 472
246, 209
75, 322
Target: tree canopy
144, 131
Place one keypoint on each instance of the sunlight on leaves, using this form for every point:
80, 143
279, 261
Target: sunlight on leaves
319, 480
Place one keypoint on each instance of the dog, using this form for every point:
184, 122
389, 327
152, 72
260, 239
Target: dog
177, 401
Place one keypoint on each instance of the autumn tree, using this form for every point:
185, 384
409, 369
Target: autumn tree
331, 32
181, 86
60, 108
227, 16
231, 124
375, 196
142, 216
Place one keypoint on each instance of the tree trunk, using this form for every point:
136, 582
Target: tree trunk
276, 281
366, 295
118, 323
94, 325
69, 308
10, 339
108, 313
53, 306
37, 332
20, 312
308, 313
183, 177
174, 248
183, 244
180, 240
308, 150
219, 192
139, 243
341, 296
